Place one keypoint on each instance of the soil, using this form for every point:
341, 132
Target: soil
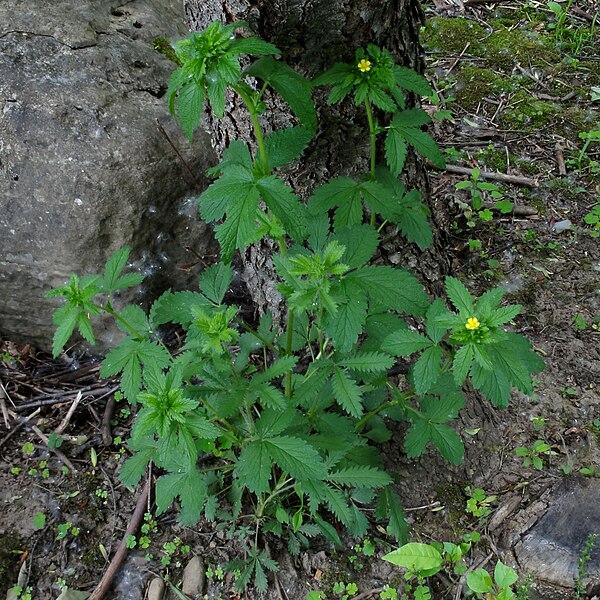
519, 92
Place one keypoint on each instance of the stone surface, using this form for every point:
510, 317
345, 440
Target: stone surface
84, 168
551, 545
193, 578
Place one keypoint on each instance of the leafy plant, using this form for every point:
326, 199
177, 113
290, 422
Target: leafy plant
479, 191
497, 588
271, 430
582, 562
535, 454
478, 503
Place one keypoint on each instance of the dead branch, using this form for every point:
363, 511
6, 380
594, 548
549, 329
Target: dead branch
119, 557
512, 179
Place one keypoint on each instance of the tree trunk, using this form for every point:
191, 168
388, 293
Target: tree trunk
312, 35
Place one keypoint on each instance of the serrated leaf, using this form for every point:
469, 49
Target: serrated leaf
239, 229
193, 493
364, 476
166, 489
405, 342
284, 204
217, 80
342, 193
277, 369
394, 288
134, 467
427, 369
190, 102
368, 362
237, 154
360, 242
462, 363
345, 325
390, 507
114, 266
410, 80
273, 422
253, 46
291, 86
177, 307
335, 500
435, 331
413, 223
269, 396
396, 151
448, 442
379, 198
488, 302
135, 317
444, 408
235, 181
416, 557
414, 117
417, 438
285, 145
460, 297
297, 457
407, 127
494, 385
254, 467
347, 393
215, 281
504, 315
66, 325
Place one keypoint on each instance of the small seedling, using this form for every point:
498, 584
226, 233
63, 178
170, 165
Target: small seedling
499, 588
479, 504
534, 455
39, 520
65, 528
538, 423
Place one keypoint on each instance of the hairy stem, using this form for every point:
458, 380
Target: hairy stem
372, 136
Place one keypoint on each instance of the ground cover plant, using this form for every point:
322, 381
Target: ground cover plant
273, 430
551, 271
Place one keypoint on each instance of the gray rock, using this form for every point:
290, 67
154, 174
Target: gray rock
84, 169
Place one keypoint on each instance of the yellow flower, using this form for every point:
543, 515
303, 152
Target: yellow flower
364, 65
472, 323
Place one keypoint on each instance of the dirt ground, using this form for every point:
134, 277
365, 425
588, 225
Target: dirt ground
517, 91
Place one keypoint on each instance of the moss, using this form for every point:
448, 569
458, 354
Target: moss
505, 47
527, 113
475, 83
452, 35
452, 496
163, 46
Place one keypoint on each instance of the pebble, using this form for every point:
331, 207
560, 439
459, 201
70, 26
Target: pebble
156, 589
561, 226
193, 578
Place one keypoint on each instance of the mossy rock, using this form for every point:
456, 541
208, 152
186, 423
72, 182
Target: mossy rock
474, 83
452, 35
506, 47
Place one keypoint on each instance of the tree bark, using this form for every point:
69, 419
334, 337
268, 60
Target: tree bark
312, 35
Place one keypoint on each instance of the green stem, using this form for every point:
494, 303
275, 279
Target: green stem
289, 337
372, 136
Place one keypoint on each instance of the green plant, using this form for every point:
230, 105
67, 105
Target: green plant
498, 588
584, 559
479, 191
535, 454
64, 529
572, 38
584, 159
478, 503
422, 561
592, 218
271, 430
345, 590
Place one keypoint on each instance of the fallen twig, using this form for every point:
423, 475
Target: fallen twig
56, 451
115, 563
108, 413
65, 421
514, 179
3, 397
59, 398
18, 426
560, 159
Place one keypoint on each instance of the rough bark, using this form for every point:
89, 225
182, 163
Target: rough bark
312, 35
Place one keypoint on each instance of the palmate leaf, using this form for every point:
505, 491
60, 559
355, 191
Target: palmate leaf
268, 395
413, 82
319, 492
191, 489
236, 180
445, 439
444, 408
236, 154
396, 151
462, 363
253, 46
379, 198
342, 193
177, 307
112, 280
277, 369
